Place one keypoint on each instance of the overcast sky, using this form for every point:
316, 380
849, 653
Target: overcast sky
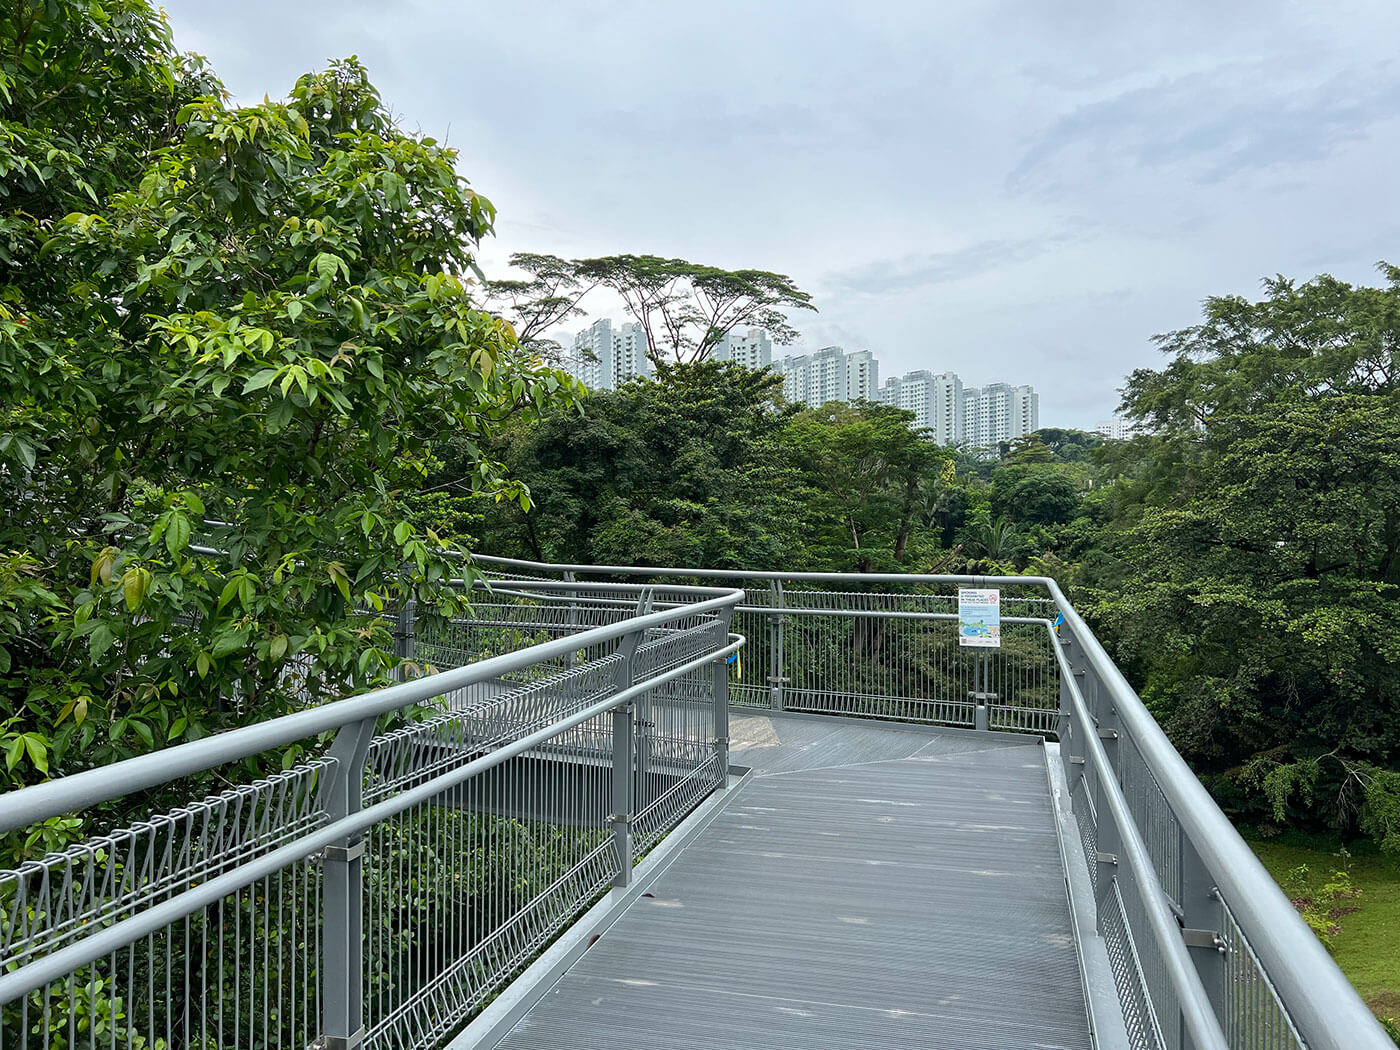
1023, 191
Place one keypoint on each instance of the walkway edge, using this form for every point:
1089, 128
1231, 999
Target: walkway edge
495, 1022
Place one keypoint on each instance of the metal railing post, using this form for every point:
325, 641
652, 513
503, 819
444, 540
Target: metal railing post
571, 624
1109, 834
1203, 923
721, 701
1070, 729
342, 935
623, 752
776, 622
404, 647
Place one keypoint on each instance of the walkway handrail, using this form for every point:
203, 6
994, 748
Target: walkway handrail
1326, 1009
39, 802
1196, 1010
118, 935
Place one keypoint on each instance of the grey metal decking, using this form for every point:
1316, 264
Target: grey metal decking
866, 888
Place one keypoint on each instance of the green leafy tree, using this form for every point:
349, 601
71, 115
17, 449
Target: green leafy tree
232, 330
1256, 590
874, 481
687, 470
686, 309
547, 297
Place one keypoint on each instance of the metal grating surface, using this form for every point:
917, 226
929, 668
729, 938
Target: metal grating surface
873, 888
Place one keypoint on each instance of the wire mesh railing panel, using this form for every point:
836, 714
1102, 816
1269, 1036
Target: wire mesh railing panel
750, 683
1153, 816
463, 892
1140, 1018
1254, 1016
912, 668
238, 973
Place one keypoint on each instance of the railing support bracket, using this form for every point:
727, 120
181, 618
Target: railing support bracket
1205, 939
332, 1042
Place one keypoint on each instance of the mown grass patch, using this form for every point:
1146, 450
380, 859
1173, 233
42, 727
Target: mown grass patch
1366, 941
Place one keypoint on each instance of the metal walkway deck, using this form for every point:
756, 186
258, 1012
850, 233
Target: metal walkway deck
865, 888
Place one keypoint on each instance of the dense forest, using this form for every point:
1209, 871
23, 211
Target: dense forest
1241, 558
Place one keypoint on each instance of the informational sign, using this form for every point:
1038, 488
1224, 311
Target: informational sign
979, 617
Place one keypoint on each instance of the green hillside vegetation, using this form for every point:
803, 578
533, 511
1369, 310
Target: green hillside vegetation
1362, 924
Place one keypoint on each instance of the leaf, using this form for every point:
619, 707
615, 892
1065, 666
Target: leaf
202, 665
228, 642
4, 660
38, 749
229, 592
177, 534
100, 641
277, 647
134, 584
102, 566
260, 380
294, 309
14, 752
177, 727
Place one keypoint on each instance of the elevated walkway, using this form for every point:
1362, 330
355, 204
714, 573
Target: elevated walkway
862, 887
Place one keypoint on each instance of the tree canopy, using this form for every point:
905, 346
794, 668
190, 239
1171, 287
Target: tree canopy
1256, 584
684, 309
232, 341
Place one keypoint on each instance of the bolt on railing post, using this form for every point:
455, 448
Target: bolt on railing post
342, 934
623, 754
721, 700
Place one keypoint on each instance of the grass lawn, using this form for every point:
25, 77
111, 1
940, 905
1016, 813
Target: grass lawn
1368, 947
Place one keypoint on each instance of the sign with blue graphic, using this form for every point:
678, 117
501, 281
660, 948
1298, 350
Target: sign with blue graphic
979, 617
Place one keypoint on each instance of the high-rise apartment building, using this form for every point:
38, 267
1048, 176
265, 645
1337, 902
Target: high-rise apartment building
935, 400
999, 412
862, 376
1119, 429
830, 374
752, 349
605, 356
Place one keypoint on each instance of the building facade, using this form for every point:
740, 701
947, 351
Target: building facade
999, 412
830, 374
935, 400
604, 355
752, 349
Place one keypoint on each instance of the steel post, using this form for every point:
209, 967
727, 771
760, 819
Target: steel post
342, 934
1203, 921
721, 703
624, 764
776, 623
404, 638
572, 622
